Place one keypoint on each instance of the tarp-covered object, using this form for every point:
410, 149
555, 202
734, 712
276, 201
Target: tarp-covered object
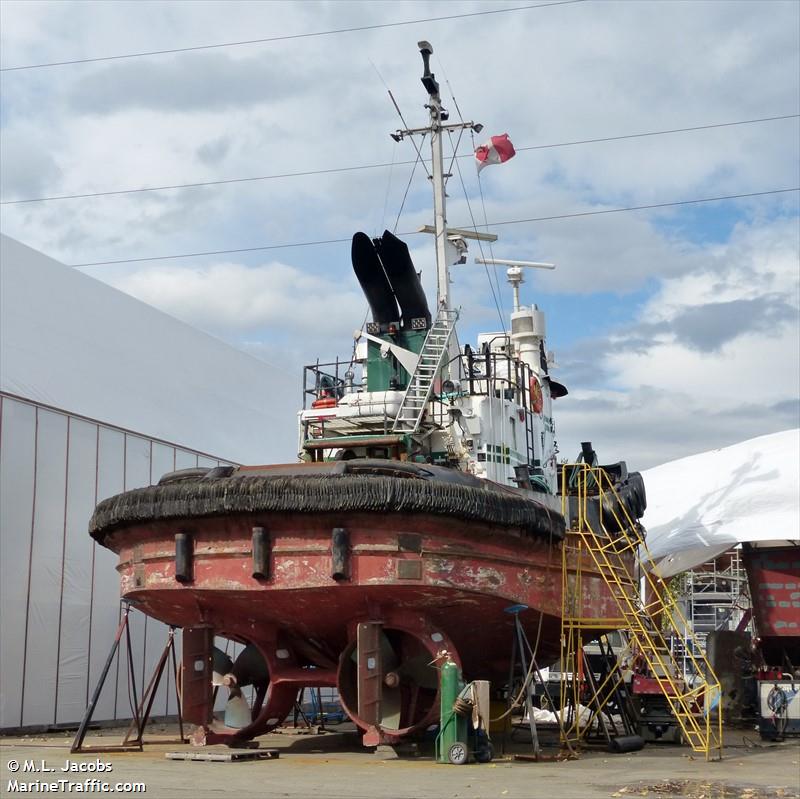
702, 505
74, 343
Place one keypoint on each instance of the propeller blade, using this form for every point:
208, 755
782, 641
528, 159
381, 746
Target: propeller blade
250, 668
237, 712
391, 704
220, 662
417, 671
389, 659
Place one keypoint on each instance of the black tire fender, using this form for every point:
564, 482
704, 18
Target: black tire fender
181, 475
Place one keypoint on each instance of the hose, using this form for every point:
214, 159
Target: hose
463, 707
777, 700
778, 703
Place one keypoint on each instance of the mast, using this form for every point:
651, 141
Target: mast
437, 116
446, 252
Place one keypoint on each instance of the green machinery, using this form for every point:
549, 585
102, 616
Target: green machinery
384, 372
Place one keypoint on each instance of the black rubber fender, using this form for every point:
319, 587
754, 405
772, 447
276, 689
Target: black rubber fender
195, 473
182, 475
326, 493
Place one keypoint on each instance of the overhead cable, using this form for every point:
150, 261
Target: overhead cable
334, 170
574, 215
289, 37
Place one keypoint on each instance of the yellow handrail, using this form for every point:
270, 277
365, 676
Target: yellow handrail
613, 554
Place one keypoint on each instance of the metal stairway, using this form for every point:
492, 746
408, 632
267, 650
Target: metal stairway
619, 557
420, 386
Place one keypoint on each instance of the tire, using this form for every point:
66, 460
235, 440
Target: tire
458, 754
181, 475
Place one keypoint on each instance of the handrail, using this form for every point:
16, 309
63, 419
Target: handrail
606, 549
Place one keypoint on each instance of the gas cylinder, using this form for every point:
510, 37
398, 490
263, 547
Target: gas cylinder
452, 728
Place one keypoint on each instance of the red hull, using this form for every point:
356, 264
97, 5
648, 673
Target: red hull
774, 577
442, 583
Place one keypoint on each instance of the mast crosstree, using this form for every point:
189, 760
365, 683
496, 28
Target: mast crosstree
446, 252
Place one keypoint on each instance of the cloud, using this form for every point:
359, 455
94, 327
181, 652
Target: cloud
664, 318
192, 82
708, 327
688, 374
273, 298
28, 168
214, 150
648, 426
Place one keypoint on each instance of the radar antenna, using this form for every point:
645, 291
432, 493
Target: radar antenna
514, 273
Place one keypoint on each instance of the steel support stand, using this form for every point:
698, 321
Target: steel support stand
519, 644
77, 743
141, 710
142, 715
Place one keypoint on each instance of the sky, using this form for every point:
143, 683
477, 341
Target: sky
676, 329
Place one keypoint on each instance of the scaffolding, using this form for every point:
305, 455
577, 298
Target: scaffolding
606, 540
715, 597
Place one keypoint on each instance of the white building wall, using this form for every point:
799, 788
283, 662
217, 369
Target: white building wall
59, 591
100, 393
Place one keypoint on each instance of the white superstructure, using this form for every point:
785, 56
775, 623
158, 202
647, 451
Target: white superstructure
410, 391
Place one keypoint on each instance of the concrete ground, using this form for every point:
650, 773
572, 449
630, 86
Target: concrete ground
333, 764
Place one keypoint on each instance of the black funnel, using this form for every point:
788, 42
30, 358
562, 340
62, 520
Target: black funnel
373, 280
403, 278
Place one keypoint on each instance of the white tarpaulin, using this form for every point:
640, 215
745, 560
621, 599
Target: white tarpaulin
72, 342
95, 387
697, 507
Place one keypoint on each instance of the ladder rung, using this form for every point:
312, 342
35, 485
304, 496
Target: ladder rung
608, 555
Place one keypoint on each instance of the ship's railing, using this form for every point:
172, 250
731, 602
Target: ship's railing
478, 374
497, 373
333, 379
501, 376
488, 373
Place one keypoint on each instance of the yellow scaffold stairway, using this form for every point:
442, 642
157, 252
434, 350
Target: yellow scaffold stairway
606, 539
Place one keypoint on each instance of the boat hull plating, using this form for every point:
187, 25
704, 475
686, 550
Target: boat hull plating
432, 582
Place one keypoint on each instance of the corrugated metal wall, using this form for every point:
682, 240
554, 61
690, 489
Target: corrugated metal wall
59, 591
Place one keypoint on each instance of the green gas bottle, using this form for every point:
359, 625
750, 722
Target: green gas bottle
452, 727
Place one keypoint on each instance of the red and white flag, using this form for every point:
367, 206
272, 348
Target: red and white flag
495, 151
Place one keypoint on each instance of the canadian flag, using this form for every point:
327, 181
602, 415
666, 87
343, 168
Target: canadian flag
495, 151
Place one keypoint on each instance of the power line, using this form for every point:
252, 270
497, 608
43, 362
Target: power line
311, 172
659, 132
203, 183
643, 207
290, 37
220, 252
415, 232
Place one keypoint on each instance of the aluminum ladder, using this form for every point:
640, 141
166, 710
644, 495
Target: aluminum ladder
420, 385
619, 557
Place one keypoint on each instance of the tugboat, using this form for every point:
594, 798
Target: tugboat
427, 499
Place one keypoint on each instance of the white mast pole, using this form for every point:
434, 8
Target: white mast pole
436, 129
439, 206
438, 115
